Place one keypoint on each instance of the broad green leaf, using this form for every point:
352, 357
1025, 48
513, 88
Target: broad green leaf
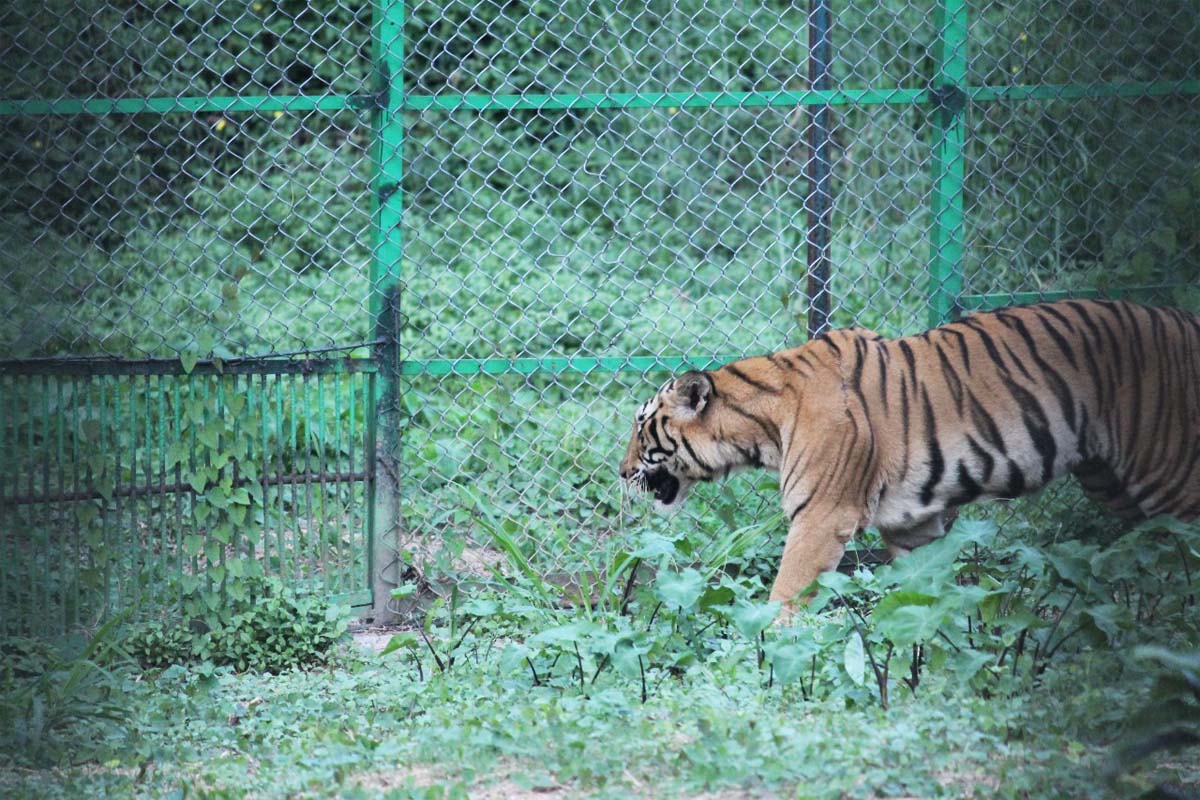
854, 659
400, 641
976, 531
86, 512
715, 597
1073, 561
513, 658
626, 656
655, 546
1110, 618
188, 359
177, 453
679, 590
217, 497
192, 544
893, 600
562, 634
910, 624
791, 660
210, 435
480, 607
223, 533
966, 663
836, 581
751, 619
235, 404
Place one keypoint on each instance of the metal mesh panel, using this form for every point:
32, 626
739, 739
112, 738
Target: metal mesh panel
219, 216
567, 222
529, 213
187, 199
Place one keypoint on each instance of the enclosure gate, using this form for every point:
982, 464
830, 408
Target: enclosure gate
126, 479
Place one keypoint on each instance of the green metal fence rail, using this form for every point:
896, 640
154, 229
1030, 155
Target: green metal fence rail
520, 211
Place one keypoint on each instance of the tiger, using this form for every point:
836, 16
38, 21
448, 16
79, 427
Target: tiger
897, 434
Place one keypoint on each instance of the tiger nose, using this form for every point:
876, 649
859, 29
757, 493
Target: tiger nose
625, 472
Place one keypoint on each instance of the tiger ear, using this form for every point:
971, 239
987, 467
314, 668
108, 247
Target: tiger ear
690, 394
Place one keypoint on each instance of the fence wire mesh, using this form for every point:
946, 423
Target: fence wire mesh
528, 212
187, 197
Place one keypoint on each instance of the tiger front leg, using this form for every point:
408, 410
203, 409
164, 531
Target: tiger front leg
816, 542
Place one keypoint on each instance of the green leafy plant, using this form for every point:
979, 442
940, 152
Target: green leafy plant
270, 628
62, 702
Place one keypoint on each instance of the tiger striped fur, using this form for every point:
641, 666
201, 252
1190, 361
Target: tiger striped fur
896, 433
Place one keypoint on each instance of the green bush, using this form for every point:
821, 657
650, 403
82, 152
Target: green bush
272, 629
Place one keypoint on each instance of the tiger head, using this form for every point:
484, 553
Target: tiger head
670, 450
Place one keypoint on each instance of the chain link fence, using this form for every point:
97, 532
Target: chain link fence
527, 213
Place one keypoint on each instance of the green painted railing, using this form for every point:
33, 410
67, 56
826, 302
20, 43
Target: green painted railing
269, 103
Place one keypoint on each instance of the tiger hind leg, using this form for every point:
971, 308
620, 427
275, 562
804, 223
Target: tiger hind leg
1103, 486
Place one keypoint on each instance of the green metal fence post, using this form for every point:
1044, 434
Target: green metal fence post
383, 404
946, 238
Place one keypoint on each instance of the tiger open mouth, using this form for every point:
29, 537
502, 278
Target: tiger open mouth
663, 484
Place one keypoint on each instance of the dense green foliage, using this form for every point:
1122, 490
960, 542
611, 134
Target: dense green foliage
984, 665
269, 628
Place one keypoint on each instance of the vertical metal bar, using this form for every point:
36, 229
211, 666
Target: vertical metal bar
383, 410
380, 591
305, 392
223, 443
24, 460
7, 527
78, 405
306, 447
340, 509
264, 484
819, 169
22, 607
52, 530
65, 521
193, 397
179, 532
122, 580
164, 550
322, 484
280, 427
366, 499
106, 545
136, 546
149, 497
297, 535
946, 245
11, 468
